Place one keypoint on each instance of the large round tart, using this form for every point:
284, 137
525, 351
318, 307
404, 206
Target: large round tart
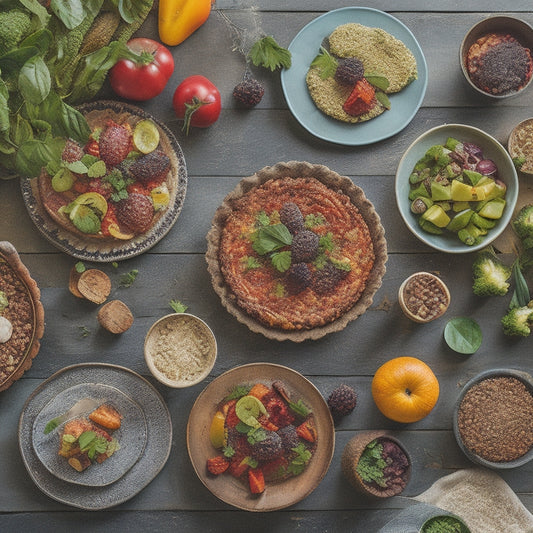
289, 292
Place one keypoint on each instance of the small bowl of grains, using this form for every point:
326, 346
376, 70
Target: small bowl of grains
423, 297
520, 146
496, 56
493, 419
180, 350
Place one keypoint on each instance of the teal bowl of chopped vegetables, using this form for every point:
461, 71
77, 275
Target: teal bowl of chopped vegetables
456, 188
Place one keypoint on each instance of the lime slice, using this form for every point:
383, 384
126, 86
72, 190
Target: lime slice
95, 201
146, 136
85, 219
248, 408
217, 430
63, 180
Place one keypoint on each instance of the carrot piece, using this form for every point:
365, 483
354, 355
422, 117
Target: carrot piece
267, 424
217, 465
259, 391
106, 416
256, 480
307, 431
238, 465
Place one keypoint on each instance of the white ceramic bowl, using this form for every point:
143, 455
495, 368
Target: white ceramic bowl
180, 350
492, 149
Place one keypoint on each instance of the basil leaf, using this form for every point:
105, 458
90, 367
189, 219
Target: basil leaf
131, 10
383, 99
37, 9
34, 154
41, 39
14, 60
463, 335
85, 439
34, 80
281, 260
70, 13
377, 80
21, 130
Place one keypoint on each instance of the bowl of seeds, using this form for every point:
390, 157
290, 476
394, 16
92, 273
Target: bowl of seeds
493, 419
180, 350
520, 146
496, 56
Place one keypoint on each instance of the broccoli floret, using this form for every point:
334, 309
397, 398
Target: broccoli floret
523, 225
14, 26
518, 320
490, 274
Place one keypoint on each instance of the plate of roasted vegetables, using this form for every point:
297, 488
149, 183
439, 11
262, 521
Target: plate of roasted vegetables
114, 195
118, 443
90, 434
260, 437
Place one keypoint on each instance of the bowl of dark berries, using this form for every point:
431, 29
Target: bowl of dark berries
493, 419
496, 56
376, 464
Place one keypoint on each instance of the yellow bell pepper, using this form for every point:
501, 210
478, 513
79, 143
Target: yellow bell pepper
178, 19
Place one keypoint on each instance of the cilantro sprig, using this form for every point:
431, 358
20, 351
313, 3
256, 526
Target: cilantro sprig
266, 52
91, 443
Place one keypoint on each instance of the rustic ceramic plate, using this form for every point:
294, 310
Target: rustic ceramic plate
131, 435
12, 367
306, 45
150, 462
113, 250
231, 490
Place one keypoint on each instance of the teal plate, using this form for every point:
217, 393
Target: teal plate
306, 45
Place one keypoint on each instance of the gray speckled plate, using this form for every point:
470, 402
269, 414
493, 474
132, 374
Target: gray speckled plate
105, 250
131, 435
150, 462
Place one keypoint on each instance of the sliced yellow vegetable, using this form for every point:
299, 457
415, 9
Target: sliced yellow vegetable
178, 19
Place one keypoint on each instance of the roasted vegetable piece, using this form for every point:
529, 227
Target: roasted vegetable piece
217, 465
523, 225
106, 416
518, 321
490, 274
178, 19
307, 431
80, 462
256, 480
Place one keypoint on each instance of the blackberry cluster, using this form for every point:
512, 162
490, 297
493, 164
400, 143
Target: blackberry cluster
269, 448
304, 247
327, 278
342, 401
349, 71
299, 277
249, 92
289, 437
291, 216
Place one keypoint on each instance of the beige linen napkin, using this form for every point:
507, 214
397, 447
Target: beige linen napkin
482, 499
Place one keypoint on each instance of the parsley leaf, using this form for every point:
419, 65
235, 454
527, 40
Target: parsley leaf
325, 63
127, 279
300, 408
371, 464
250, 263
237, 393
281, 260
228, 451
256, 435
313, 220
266, 52
263, 219
298, 464
177, 306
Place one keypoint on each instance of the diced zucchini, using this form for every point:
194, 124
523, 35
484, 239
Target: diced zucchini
470, 235
462, 192
440, 192
493, 209
437, 216
460, 206
472, 176
418, 191
482, 222
429, 227
460, 220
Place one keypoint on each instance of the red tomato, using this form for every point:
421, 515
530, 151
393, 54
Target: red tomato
196, 101
146, 73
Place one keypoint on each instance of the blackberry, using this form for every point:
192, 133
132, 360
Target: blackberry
325, 279
292, 217
342, 401
135, 212
304, 247
299, 277
249, 92
289, 437
268, 448
349, 71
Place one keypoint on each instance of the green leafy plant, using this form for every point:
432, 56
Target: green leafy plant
266, 52
463, 335
326, 63
177, 306
371, 464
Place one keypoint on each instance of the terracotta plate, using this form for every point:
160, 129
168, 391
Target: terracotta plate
150, 462
277, 495
113, 250
131, 435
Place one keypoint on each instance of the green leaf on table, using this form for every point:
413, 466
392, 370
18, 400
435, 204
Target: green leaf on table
266, 52
463, 335
177, 306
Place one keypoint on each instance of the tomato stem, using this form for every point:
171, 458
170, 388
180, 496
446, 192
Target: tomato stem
190, 108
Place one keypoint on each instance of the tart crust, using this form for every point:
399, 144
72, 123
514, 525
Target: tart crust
16, 355
305, 315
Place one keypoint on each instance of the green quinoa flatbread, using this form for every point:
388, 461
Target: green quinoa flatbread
380, 53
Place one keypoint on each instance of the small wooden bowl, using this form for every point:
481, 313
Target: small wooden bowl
521, 144
419, 315
350, 458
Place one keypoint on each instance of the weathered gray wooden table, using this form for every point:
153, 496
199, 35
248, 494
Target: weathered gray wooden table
240, 143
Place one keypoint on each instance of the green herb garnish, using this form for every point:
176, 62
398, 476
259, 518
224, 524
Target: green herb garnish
228, 451
250, 263
119, 184
177, 306
266, 52
325, 63
237, 392
84, 332
298, 464
271, 238
256, 435
377, 80
281, 260
127, 279
80, 267
263, 219
52, 425
92, 444
371, 464
300, 408
313, 220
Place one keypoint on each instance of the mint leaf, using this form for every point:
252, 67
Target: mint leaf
270, 238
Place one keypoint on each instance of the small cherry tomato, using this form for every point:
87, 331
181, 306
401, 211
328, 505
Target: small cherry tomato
145, 73
196, 101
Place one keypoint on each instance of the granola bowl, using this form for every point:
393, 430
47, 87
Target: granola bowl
22, 316
493, 419
180, 350
477, 41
